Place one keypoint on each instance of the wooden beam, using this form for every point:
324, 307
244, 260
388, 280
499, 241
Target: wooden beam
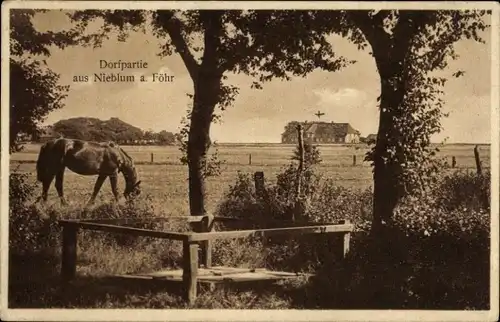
282, 223
190, 271
342, 242
125, 221
127, 230
69, 254
271, 232
206, 245
346, 242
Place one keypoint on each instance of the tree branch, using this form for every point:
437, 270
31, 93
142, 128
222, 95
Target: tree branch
212, 23
371, 26
409, 23
174, 29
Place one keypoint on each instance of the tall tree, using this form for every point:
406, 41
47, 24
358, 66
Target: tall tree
213, 43
34, 88
409, 48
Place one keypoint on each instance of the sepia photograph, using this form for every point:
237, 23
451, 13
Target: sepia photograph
293, 161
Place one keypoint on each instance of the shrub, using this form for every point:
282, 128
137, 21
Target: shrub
34, 228
324, 202
241, 199
457, 208
464, 190
30, 229
20, 190
439, 256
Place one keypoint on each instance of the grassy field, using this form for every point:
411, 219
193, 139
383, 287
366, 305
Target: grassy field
165, 179
273, 154
434, 277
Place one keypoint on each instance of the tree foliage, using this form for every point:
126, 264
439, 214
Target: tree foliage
34, 89
411, 50
114, 129
429, 38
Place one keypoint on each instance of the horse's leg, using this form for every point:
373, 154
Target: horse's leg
47, 181
97, 187
113, 179
59, 185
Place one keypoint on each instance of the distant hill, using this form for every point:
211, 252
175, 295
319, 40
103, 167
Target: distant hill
114, 129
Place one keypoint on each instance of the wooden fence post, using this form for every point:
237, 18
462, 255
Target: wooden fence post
258, 178
190, 270
152, 157
354, 160
453, 162
478, 160
207, 224
342, 247
250, 159
299, 201
69, 254
479, 169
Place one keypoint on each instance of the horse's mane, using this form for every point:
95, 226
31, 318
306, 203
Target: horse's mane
126, 154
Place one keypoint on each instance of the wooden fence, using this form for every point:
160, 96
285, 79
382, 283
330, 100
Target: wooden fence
192, 241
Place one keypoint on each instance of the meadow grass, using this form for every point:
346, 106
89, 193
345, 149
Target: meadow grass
167, 181
34, 278
274, 154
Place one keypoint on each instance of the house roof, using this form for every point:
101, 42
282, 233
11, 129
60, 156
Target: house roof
372, 136
329, 129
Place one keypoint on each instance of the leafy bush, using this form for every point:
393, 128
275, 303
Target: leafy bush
324, 203
30, 230
34, 228
464, 190
324, 200
241, 199
438, 258
20, 190
457, 207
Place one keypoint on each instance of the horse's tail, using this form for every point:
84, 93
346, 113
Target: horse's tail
43, 162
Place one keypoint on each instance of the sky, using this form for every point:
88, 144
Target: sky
345, 96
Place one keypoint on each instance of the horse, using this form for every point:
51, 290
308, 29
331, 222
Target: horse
88, 159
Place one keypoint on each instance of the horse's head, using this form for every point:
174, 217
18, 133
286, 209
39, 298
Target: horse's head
132, 190
132, 185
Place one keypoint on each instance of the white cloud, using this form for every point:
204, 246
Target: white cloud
344, 96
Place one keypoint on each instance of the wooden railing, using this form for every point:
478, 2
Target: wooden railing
192, 241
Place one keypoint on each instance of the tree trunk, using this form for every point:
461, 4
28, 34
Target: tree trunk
386, 184
206, 78
205, 98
